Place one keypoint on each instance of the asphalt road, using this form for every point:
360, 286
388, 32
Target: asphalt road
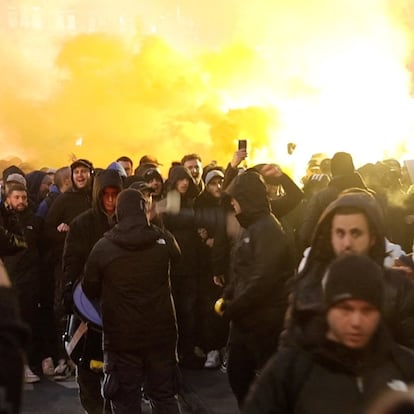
203, 392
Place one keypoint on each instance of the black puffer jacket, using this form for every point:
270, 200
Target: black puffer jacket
65, 208
128, 270
12, 239
23, 266
306, 303
330, 378
262, 263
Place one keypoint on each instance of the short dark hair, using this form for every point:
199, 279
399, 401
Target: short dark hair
189, 157
60, 175
125, 159
15, 187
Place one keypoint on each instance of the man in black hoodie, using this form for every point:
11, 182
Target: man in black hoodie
85, 230
185, 271
65, 208
255, 298
128, 270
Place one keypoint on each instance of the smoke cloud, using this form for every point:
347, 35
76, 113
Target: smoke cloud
101, 79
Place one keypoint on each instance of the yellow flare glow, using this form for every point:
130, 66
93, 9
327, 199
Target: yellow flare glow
328, 75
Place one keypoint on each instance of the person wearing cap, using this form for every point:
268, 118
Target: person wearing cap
65, 207
71, 203
149, 159
255, 296
347, 360
128, 271
154, 179
12, 169
352, 224
15, 178
146, 162
344, 176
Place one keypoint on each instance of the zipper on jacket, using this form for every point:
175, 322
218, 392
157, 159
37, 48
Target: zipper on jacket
360, 384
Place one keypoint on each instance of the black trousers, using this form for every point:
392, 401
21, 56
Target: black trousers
154, 370
247, 354
90, 391
184, 291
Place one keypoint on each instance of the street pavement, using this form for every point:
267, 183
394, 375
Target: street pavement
203, 392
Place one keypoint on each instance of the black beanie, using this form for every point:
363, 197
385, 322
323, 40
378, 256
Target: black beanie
81, 162
152, 173
129, 203
342, 164
354, 277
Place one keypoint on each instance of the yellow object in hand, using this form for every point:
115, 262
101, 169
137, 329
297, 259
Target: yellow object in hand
95, 365
218, 305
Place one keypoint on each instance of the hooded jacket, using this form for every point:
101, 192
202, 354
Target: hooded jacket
329, 377
261, 264
34, 181
306, 303
319, 201
128, 269
183, 225
87, 228
65, 208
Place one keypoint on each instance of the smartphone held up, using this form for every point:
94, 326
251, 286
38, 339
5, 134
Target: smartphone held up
241, 153
242, 144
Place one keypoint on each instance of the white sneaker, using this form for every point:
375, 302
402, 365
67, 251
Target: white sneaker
224, 358
213, 359
48, 367
29, 376
62, 371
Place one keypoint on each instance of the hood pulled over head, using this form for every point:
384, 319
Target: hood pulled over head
249, 189
130, 203
104, 179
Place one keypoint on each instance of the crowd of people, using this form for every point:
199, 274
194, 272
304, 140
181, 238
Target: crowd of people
303, 294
